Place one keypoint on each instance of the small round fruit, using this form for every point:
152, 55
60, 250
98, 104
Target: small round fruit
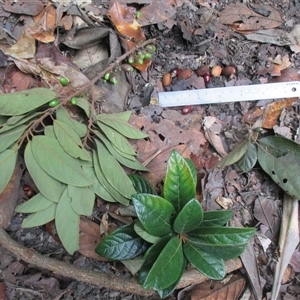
206, 78
138, 14
130, 59
127, 68
167, 79
106, 76
186, 110
138, 59
229, 71
151, 48
147, 55
202, 70
216, 71
64, 81
175, 72
73, 101
53, 103
113, 79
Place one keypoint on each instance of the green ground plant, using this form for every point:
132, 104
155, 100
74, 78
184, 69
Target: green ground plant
173, 230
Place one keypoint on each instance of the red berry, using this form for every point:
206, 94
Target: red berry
206, 78
186, 110
175, 72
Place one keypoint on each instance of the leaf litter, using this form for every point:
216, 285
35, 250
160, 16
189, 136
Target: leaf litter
250, 191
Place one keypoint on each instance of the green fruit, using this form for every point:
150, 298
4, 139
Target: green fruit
113, 79
138, 59
151, 48
73, 100
64, 81
53, 103
130, 59
138, 14
147, 55
106, 76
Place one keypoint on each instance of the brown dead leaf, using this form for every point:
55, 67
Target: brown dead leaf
243, 17
252, 116
2, 291
273, 111
9, 196
289, 74
24, 7
277, 65
215, 290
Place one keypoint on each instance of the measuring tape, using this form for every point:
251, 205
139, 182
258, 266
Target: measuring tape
230, 94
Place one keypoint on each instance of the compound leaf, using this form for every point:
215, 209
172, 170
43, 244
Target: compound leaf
19, 103
155, 213
121, 244
67, 223
57, 163
10, 136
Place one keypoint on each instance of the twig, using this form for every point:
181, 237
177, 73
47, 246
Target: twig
114, 282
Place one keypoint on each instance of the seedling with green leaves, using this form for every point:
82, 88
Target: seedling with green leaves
72, 157
174, 230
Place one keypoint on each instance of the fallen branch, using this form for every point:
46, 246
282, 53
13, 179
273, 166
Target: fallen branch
101, 279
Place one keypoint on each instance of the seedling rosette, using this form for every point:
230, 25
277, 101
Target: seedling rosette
174, 230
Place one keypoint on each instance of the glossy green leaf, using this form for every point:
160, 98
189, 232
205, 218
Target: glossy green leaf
123, 128
249, 159
124, 116
47, 185
102, 179
18, 120
49, 131
193, 169
19, 103
141, 185
221, 242
83, 199
11, 136
167, 268
85, 105
204, 262
63, 115
118, 140
8, 160
70, 141
155, 213
167, 291
179, 185
189, 218
97, 187
235, 155
114, 173
144, 234
283, 170
67, 223
121, 244
41, 217
131, 163
57, 163
34, 204
216, 218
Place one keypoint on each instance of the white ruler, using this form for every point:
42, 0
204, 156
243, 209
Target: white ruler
230, 94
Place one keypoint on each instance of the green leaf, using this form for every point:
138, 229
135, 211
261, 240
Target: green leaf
155, 213
167, 291
3, 120
145, 235
189, 218
41, 217
248, 160
83, 199
235, 155
179, 185
9, 137
97, 187
141, 185
204, 262
216, 218
63, 115
57, 163
35, 204
85, 105
167, 268
102, 179
121, 244
67, 223
49, 131
70, 141
221, 242
193, 169
19, 103
47, 185
131, 163
123, 127
123, 154
8, 160
133, 265
124, 116
118, 140
113, 172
